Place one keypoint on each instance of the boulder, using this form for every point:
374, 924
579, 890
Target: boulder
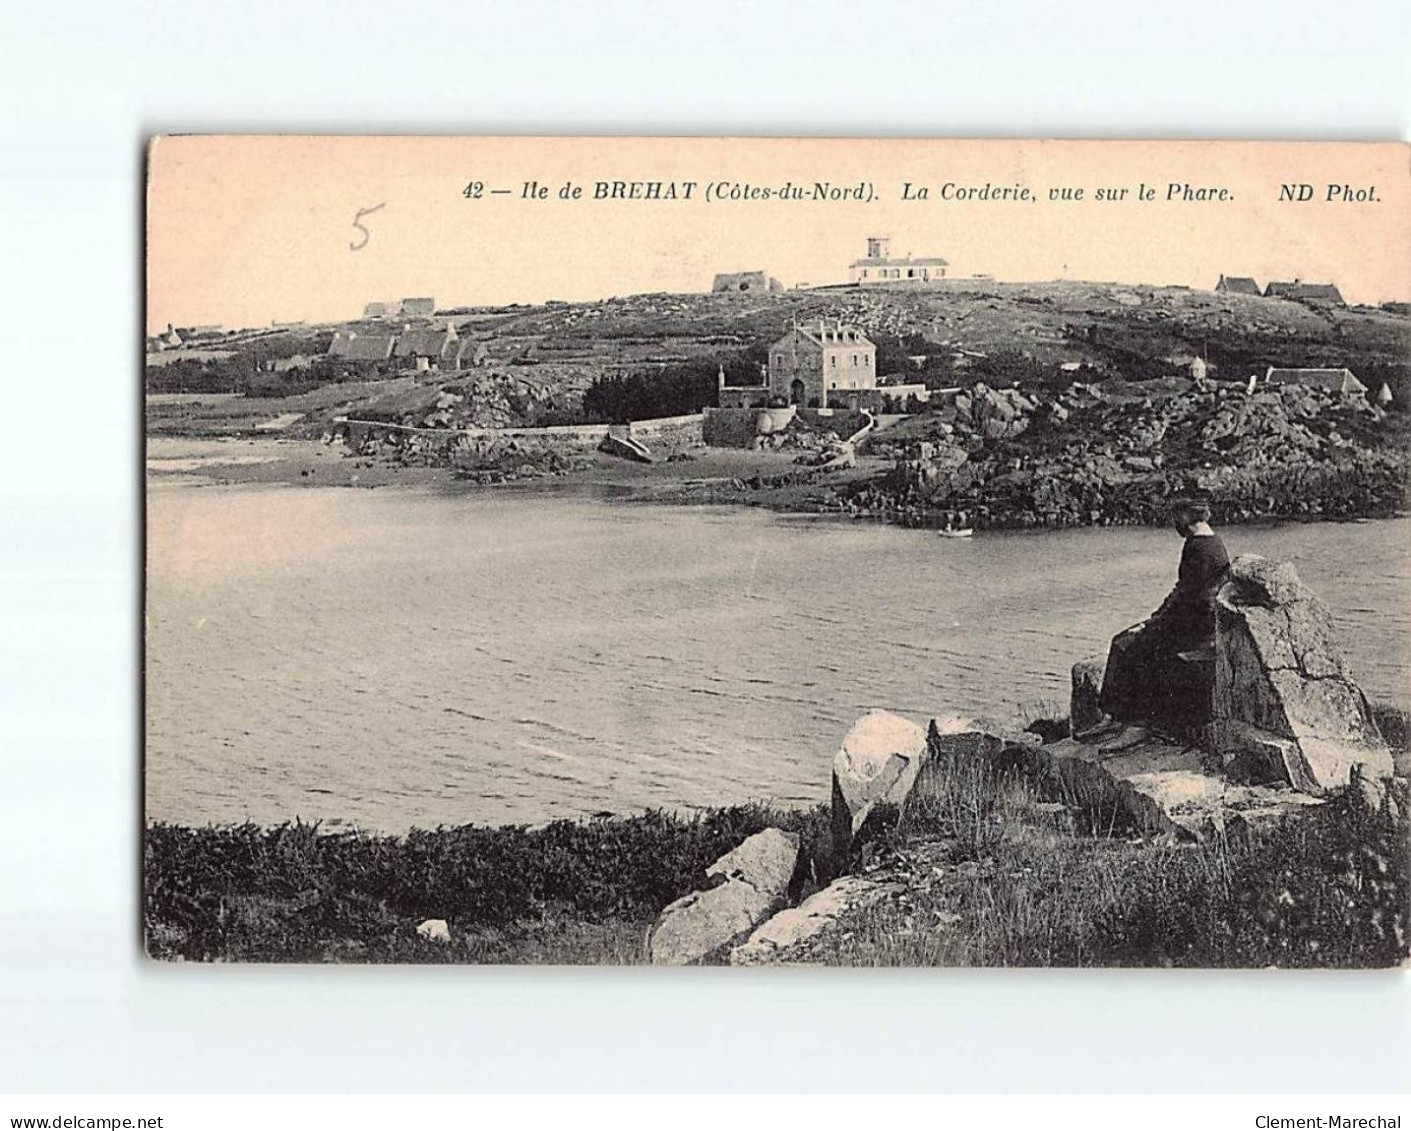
755, 875
1084, 704
877, 763
1120, 778
780, 938
952, 741
435, 930
704, 921
1283, 690
765, 861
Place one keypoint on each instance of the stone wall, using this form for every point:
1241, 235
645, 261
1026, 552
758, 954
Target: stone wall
670, 432
744, 396
357, 433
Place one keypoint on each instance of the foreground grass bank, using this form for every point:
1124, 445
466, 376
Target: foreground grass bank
1330, 890
579, 892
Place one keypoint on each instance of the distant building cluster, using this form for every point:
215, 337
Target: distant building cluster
405, 308
174, 336
879, 267
419, 348
1297, 290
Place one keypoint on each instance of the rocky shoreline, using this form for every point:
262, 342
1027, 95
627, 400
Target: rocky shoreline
1095, 456
1106, 454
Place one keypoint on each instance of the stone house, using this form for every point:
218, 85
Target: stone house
878, 266
417, 307
809, 362
1237, 285
354, 346
1300, 291
429, 348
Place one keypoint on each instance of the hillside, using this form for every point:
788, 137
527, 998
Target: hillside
1103, 324
1075, 405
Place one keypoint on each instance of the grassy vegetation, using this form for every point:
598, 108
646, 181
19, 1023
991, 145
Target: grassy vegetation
992, 875
991, 880
567, 892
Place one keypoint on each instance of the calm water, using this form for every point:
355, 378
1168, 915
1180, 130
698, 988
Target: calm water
393, 658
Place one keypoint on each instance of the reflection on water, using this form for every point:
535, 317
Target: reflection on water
394, 658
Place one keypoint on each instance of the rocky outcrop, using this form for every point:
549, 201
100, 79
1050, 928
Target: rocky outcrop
434, 930
877, 763
1120, 779
1111, 453
754, 879
1285, 705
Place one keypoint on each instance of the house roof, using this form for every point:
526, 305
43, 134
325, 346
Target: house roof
923, 261
824, 334
434, 342
361, 347
1334, 380
1237, 284
1299, 290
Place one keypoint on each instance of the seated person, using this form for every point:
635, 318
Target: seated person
1161, 672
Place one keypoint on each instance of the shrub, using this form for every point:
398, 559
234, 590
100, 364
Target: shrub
291, 892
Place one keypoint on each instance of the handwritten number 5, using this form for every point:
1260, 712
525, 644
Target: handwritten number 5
357, 223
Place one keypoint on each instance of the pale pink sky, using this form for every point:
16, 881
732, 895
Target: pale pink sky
242, 230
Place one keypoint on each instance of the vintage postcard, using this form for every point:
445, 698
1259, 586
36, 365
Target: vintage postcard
772, 552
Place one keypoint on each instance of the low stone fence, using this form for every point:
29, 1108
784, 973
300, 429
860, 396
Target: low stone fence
738, 427
668, 432
357, 433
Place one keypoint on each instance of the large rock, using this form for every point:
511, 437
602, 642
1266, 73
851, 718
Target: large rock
1126, 779
1284, 696
756, 877
877, 763
959, 755
704, 921
782, 937
765, 861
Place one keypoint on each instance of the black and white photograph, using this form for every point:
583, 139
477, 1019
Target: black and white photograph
759, 552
